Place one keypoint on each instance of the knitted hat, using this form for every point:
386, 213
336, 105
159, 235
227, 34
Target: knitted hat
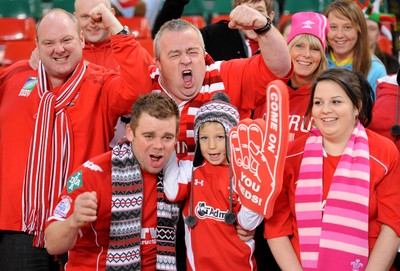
217, 110
373, 17
309, 23
372, 12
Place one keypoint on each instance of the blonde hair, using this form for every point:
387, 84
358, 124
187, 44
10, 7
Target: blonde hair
314, 43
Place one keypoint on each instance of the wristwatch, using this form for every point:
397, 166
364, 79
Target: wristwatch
266, 28
125, 31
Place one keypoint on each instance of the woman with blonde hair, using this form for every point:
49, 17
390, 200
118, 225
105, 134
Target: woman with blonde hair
306, 42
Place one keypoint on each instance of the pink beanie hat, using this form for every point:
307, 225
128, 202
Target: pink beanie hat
309, 23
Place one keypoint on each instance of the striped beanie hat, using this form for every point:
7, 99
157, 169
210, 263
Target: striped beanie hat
218, 110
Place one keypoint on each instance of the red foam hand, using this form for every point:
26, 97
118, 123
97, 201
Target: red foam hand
257, 151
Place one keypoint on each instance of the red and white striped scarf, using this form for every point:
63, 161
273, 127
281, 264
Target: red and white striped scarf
336, 238
50, 154
212, 83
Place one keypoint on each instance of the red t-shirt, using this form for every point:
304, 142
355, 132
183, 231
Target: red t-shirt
385, 110
91, 247
211, 239
384, 190
298, 101
101, 54
149, 222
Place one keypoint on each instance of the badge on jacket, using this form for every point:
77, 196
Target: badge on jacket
28, 86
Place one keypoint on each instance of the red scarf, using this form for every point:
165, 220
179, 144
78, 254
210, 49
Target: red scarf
50, 154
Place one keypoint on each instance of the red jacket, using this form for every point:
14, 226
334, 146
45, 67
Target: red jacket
103, 97
385, 110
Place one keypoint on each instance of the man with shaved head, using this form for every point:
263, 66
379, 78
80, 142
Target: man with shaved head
98, 48
97, 40
58, 116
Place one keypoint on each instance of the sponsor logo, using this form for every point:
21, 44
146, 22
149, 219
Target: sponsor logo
75, 181
203, 211
92, 166
28, 86
307, 24
63, 207
356, 265
199, 182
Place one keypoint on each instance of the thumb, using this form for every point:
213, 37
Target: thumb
94, 193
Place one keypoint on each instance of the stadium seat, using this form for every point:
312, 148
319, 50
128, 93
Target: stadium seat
196, 20
293, 6
16, 50
21, 8
222, 7
139, 26
67, 5
17, 29
148, 45
194, 7
220, 17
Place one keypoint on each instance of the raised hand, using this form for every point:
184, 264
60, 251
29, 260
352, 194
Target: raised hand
85, 209
258, 149
246, 18
101, 16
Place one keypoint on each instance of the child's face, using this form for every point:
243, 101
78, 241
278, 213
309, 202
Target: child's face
212, 143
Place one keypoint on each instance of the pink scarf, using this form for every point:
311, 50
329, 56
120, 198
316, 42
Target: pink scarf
50, 154
336, 238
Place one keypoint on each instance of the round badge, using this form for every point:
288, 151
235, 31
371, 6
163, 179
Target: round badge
190, 220
230, 218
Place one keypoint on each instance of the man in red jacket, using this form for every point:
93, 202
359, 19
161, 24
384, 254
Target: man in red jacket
98, 49
58, 116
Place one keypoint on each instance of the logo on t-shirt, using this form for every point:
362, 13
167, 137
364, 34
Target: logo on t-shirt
92, 166
28, 86
203, 211
75, 181
148, 236
63, 207
356, 265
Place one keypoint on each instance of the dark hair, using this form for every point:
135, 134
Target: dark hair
175, 25
157, 105
269, 4
356, 87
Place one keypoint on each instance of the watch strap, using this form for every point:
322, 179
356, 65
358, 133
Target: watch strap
125, 31
264, 29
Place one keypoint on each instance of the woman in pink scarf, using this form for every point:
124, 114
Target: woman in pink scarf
339, 206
